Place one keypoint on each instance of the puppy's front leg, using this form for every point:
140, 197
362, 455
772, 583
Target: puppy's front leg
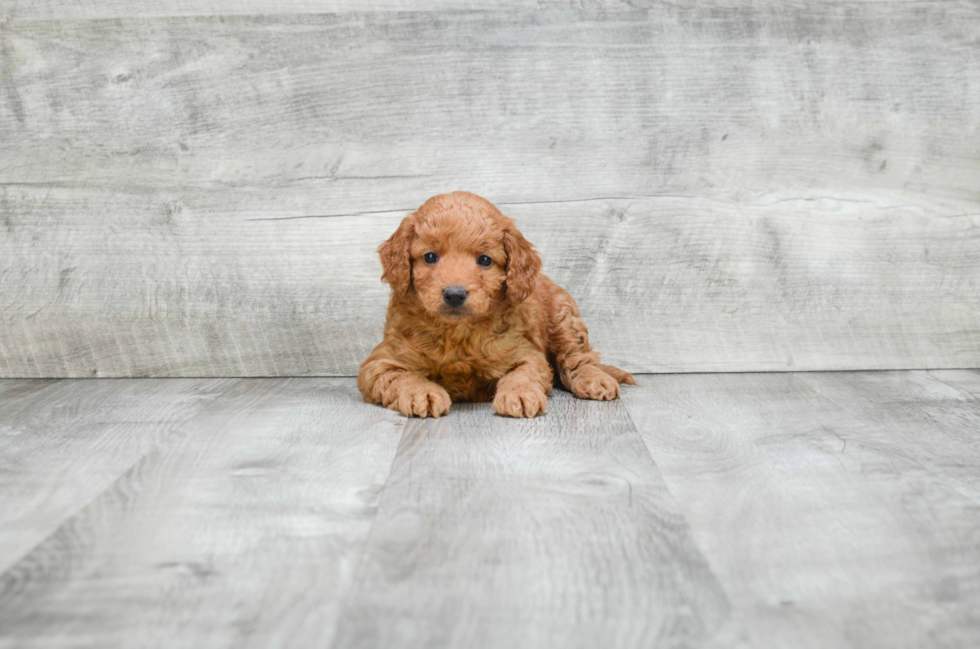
388, 382
523, 392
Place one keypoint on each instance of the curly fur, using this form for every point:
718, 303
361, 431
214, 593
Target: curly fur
514, 327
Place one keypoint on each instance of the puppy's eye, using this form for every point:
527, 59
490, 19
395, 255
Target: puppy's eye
484, 261
430, 257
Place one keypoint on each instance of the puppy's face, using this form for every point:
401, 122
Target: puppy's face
460, 257
458, 265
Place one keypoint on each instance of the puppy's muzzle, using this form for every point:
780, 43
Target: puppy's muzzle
454, 296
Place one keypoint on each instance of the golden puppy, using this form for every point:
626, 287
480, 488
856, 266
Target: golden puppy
471, 318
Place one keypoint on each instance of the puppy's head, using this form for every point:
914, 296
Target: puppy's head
460, 257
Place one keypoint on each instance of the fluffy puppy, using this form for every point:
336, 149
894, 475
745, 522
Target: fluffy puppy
471, 318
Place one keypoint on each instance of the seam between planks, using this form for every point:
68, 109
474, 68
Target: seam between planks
344, 595
733, 611
965, 393
73, 514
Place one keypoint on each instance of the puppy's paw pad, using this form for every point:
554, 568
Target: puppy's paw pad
590, 382
520, 403
427, 400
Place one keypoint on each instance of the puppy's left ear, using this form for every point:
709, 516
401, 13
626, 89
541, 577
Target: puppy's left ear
523, 265
396, 257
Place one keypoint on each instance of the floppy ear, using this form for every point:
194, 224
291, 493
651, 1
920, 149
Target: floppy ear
396, 259
523, 265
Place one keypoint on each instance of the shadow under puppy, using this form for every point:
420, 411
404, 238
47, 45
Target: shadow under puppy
471, 318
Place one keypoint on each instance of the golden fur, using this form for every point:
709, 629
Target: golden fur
513, 328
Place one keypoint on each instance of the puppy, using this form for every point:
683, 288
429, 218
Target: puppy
471, 318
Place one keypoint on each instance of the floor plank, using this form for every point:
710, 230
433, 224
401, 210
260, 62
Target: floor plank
837, 509
929, 419
556, 532
63, 442
242, 531
966, 380
832, 510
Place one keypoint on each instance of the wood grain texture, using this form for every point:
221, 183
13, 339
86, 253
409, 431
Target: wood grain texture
328, 114
665, 284
790, 187
241, 532
839, 515
931, 420
62, 443
551, 532
102, 9
832, 510
968, 381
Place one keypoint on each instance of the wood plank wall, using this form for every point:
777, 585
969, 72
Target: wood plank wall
723, 186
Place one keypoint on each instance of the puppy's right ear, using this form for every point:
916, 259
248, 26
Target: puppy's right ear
396, 258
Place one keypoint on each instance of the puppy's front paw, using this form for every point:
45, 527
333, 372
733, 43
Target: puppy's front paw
421, 400
590, 382
523, 402
618, 374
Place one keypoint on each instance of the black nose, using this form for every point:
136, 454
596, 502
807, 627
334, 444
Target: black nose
454, 295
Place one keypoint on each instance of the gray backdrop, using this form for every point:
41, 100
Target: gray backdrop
723, 186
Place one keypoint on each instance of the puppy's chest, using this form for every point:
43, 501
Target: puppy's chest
466, 369
467, 360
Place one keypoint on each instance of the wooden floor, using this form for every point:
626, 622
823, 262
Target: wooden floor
721, 510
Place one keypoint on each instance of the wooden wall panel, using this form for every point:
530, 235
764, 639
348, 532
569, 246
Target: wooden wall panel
722, 188
102, 9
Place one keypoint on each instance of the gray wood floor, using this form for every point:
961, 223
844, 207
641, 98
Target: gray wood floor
757, 510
